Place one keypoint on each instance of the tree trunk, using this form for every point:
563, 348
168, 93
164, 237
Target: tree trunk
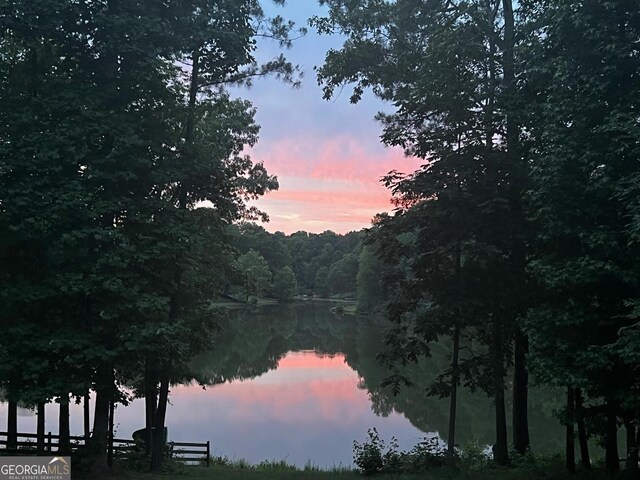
508, 60
12, 426
40, 440
64, 440
159, 439
112, 411
571, 436
100, 435
151, 404
520, 420
161, 414
451, 440
87, 417
501, 447
491, 81
501, 450
632, 451
455, 357
520, 417
191, 118
193, 96
585, 458
612, 457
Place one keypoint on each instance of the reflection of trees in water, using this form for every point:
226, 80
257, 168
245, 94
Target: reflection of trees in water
251, 343
475, 419
248, 345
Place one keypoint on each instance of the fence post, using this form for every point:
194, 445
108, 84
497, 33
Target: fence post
208, 453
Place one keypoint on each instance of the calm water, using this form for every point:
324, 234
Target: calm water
301, 384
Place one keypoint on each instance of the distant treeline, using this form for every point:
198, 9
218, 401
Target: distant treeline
323, 265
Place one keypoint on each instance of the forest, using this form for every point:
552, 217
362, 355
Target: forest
127, 204
307, 264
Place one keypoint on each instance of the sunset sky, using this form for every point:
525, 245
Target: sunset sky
327, 154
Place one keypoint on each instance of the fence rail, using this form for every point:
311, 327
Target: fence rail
121, 448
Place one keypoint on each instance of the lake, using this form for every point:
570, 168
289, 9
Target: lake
301, 383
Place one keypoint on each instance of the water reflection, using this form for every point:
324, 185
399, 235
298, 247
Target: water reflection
300, 383
309, 409
356, 343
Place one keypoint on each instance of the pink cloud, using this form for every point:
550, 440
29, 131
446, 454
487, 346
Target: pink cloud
338, 158
378, 198
328, 184
317, 211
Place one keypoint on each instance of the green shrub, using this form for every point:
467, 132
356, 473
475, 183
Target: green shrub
374, 456
475, 457
425, 455
368, 456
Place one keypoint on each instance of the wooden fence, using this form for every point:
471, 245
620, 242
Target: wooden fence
118, 447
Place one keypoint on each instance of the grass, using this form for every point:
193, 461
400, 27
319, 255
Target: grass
224, 469
216, 473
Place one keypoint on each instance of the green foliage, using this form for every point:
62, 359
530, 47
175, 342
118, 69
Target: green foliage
285, 285
115, 128
374, 456
254, 271
342, 275
306, 254
524, 216
584, 135
369, 456
273, 247
312, 252
370, 290
474, 457
321, 283
447, 67
428, 454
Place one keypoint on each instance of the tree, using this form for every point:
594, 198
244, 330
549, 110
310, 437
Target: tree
370, 291
255, 273
284, 285
583, 73
448, 69
321, 284
272, 246
128, 145
342, 274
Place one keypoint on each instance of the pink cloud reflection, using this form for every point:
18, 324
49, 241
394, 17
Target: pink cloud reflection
308, 409
302, 383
